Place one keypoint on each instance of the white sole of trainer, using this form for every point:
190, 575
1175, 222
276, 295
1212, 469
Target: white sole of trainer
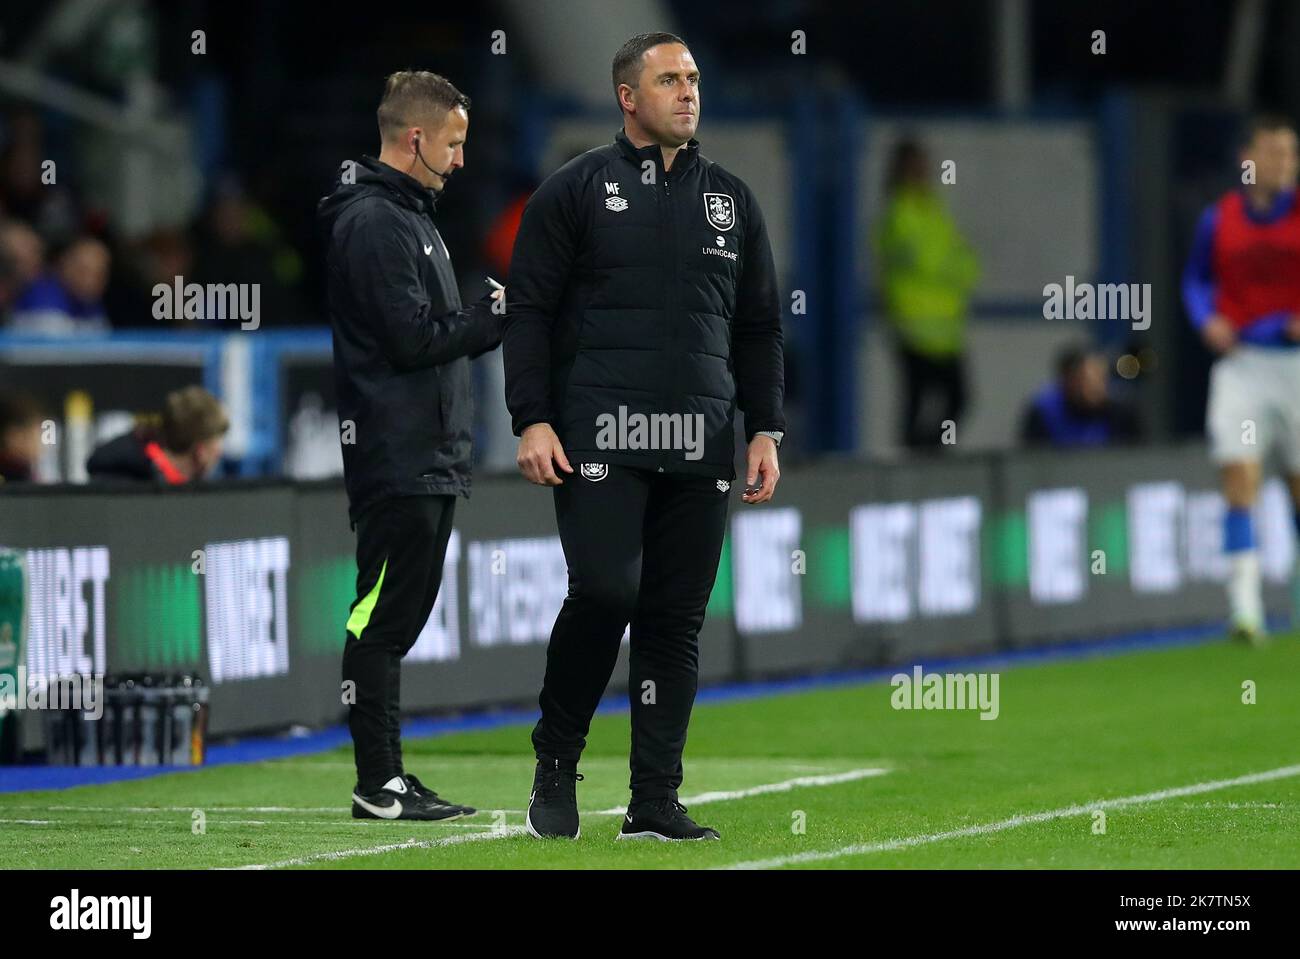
660, 837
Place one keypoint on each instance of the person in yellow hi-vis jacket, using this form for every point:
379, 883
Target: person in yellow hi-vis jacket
927, 272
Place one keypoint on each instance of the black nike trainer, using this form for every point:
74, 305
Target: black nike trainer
553, 806
424, 792
396, 800
663, 819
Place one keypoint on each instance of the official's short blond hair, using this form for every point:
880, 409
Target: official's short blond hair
191, 416
416, 98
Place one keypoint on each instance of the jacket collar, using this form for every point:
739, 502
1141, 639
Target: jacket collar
404, 188
686, 156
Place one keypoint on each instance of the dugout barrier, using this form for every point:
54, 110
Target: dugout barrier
247, 584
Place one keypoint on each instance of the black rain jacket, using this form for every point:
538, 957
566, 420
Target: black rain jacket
650, 291
402, 340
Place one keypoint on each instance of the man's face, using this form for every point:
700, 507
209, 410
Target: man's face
666, 101
25, 249
23, 442
1277, 159
1086, 384
84, 270
207, 455
443, 149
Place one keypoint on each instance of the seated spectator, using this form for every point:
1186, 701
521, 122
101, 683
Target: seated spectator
20, 437
183, 446
1076, 410
22, 256
238, 242
68, 300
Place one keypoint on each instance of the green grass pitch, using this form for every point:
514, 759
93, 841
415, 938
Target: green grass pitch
833, 776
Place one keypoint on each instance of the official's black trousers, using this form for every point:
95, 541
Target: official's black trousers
403, 540
926, 377
642, 548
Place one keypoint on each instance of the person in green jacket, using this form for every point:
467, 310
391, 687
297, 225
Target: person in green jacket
927, 271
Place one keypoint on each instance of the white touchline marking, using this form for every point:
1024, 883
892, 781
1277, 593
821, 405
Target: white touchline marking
859, 849
495, 833
352, 824
830, 779
206, 809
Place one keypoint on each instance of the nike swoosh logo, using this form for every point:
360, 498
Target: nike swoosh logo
383, 812
428, 250
628, 817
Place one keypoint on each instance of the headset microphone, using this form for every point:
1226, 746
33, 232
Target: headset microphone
445, 176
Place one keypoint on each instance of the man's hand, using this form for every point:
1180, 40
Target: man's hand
539, 447
1219, 334
1293, 327
761, 463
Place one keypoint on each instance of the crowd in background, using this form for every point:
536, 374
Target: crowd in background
67, 269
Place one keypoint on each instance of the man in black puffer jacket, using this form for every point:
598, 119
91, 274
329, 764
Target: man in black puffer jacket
644, 311
402, 345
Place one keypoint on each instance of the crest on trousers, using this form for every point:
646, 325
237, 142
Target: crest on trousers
595, 471
720, 211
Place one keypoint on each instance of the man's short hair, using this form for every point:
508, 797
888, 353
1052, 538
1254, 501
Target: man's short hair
191, 416
627, 62
1265, 123
1071, 357
413, 96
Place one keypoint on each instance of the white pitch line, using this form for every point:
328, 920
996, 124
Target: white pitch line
188, 809
352, 824
859, 849
830, 779
390, 847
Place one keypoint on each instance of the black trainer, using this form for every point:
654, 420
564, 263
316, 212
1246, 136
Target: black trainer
663, 819
424, 792
553, 806
396, 800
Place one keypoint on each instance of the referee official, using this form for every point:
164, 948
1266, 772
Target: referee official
644, 311
402, 345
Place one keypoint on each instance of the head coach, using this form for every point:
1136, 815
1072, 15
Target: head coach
644, 311
402, 345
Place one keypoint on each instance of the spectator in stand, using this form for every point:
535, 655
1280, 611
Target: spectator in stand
67, 300
25, 192
159, 258
22, 255
1076, 409
238, 242
927, 273
20, 437
183, 445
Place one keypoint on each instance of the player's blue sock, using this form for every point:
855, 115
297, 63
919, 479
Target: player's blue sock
1238, 531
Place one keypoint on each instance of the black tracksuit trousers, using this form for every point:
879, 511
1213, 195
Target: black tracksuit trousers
642, 548
401, 545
